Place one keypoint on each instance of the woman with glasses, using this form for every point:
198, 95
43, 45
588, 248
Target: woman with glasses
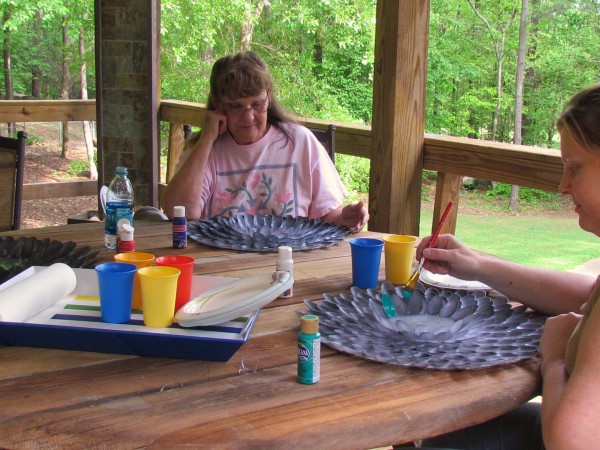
251, 157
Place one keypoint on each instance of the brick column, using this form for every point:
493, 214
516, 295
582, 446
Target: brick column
128, 92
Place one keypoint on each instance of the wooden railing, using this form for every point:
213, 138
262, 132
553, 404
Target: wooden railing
450, 157
51, 111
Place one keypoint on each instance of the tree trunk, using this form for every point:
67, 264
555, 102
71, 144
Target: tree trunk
499, 49
250, 22
498, 108
66, 84
8, 82
36, 73
517, 136
87, 132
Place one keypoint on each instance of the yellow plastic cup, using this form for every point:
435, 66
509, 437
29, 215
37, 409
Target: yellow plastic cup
399, 254
139, 259
159, 289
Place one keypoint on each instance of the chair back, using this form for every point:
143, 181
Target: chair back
327, 139
12, 165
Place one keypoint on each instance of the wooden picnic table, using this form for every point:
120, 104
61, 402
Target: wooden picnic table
71, 399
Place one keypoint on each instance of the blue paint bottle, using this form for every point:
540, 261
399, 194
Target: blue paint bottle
309, 350
179, 227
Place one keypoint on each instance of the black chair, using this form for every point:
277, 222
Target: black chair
12, 166
327, 139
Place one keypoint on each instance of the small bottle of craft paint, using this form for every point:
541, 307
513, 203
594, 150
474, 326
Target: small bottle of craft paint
285, 263
179, 227
309, 350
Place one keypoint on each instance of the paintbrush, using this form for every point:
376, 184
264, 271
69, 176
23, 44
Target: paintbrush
412, 281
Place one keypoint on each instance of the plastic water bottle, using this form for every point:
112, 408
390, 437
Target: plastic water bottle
119, 205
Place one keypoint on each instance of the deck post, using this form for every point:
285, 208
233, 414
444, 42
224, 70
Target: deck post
398, 115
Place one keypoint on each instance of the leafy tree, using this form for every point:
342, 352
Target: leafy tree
321, 54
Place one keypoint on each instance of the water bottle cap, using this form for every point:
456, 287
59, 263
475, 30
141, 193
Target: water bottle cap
121, 170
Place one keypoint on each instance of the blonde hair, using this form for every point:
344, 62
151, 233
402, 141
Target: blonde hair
581, 117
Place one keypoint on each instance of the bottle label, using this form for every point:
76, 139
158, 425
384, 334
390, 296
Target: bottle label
116, 211
309, 360
179, 232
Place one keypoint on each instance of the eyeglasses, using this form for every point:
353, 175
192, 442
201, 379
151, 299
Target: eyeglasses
258, 106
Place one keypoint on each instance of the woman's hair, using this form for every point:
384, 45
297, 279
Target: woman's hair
244, 75
581, 117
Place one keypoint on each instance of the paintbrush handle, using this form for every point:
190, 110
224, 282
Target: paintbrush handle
440, 224
412, 281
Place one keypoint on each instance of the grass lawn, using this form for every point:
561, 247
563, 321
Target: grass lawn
553, 241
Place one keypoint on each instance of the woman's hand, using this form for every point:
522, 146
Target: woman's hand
450, 256
556, 334
355, 216
215, 124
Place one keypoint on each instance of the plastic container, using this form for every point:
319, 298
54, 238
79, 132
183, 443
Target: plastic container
119, 205
309, 350
285, 263
125, 243
179, 227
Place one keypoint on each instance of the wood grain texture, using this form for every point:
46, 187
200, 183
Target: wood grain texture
398, 116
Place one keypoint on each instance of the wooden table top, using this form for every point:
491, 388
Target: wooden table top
70, 399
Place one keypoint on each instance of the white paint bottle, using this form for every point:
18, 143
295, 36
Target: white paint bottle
285, 263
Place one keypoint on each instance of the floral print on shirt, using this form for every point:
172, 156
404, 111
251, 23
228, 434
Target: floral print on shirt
258, 193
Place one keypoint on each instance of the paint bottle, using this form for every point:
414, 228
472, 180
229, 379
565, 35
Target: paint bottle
309, 350
285, 263
179, 227
125, 243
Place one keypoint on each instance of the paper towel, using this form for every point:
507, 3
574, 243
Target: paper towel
25, 299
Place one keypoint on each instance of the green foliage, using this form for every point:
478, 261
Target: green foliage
32, 139
354, 172
527, 196
76, 167
321, 54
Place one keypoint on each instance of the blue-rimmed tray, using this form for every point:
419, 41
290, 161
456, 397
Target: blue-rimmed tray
265, 233
439, 329
75, 323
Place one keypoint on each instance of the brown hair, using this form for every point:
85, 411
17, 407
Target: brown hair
581, 117
244, 75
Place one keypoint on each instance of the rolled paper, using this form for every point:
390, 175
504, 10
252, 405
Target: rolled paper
23, 300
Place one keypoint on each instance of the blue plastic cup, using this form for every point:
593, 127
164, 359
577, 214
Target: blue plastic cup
115, 283
366, 259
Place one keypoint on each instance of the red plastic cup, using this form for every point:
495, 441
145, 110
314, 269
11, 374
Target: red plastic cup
184, 283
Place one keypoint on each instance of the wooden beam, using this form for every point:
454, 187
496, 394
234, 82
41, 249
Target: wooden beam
47, 110
398, 115
40, 191
495, 161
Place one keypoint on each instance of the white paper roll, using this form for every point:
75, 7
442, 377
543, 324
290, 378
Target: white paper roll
22, 301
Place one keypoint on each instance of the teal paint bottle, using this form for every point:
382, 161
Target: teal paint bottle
309, 350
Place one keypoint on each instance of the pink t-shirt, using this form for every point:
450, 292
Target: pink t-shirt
275, 175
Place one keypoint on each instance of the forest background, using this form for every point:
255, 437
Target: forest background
497, 69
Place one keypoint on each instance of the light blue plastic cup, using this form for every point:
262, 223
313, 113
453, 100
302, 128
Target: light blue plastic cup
115, 283
366, 259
